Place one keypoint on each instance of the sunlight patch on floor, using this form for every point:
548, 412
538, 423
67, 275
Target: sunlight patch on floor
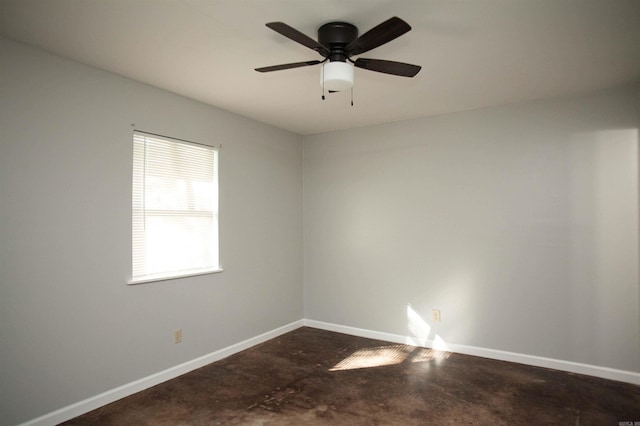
373, 357
382, 356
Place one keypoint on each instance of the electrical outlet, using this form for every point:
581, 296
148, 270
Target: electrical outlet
435, 315
177, 335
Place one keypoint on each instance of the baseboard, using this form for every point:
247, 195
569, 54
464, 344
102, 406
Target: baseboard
537, 361
82, 407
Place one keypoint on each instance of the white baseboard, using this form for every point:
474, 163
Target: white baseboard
89, 404
537, 361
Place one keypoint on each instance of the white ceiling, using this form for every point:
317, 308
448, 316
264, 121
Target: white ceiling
474, 53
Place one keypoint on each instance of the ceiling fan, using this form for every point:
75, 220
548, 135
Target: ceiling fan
337, 43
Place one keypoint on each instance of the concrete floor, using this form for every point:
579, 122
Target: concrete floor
312, 376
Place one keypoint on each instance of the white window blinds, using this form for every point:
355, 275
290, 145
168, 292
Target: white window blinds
174, 208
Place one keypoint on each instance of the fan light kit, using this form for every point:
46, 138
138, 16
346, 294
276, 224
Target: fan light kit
336, 76
337, 43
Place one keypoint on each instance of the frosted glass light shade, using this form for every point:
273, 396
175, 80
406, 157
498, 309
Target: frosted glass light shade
336, 76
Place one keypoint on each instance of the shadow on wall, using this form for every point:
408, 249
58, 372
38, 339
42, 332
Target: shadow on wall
603, 189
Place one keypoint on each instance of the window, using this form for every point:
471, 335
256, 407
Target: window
174, 208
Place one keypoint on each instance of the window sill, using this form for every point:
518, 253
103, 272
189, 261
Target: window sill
151, 278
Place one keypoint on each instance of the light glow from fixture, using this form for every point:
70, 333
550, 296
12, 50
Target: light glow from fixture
336, 76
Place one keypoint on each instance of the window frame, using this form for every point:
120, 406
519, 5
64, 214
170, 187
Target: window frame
164, 276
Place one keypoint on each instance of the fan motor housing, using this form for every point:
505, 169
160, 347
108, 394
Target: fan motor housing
336, 36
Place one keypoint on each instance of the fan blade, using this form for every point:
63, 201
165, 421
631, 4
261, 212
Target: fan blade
298, 37
388, 67
377, 36
287, 66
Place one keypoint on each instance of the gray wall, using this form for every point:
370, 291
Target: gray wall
69, 325
520, 223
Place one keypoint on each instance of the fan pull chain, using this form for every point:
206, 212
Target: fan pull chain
322, 74
351, 95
